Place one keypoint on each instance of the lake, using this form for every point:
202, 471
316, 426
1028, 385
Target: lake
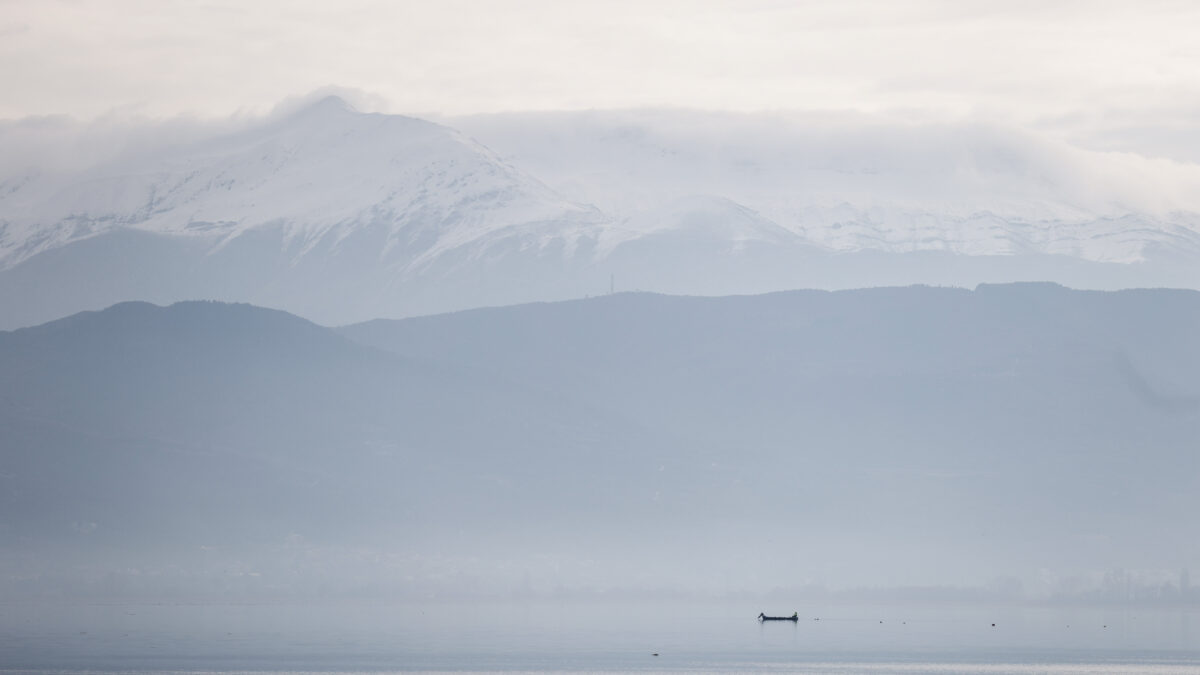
547, 636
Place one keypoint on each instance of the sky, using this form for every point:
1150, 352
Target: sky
1120, 75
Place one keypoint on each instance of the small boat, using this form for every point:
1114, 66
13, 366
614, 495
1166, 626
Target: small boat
794, 617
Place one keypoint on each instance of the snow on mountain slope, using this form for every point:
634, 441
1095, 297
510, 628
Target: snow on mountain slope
318, 174
725, 224
341, 216
864, 185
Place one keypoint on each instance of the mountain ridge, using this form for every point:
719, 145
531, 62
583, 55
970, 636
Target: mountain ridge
1028, 431
343, 216
842, 187
382, 165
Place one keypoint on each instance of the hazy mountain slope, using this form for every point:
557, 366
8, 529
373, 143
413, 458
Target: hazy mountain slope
1022, 424
880, 437
137, 437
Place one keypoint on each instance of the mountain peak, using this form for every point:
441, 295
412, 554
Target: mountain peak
332, 102
326, 107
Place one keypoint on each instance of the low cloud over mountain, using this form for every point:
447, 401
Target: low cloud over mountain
342, 216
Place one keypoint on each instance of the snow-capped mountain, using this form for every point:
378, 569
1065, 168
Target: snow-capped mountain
845, 186
343, 216
319, 176
332, 213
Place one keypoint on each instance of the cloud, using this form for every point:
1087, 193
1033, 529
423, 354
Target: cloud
1009, 62
820, 157
64, 143
831, 157
359, 99
61, 143
10, 30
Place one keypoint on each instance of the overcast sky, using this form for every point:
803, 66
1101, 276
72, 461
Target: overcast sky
1126, 74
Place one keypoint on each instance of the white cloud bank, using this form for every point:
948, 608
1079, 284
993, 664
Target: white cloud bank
1107, 71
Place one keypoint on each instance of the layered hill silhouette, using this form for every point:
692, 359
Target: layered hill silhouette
877, 437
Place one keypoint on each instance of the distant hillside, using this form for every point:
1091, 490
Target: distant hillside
859, 433
897, 436
135, 437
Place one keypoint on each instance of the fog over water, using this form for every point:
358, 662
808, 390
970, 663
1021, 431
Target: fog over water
607, 637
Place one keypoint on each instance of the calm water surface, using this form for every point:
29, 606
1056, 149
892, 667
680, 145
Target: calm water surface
615, 637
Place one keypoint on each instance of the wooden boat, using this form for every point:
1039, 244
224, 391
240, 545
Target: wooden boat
794, 617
